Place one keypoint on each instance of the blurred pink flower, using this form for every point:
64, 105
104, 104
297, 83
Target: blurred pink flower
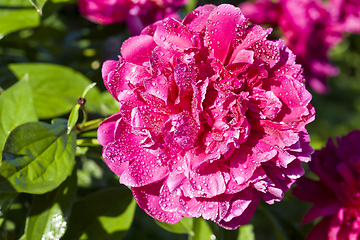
336, 196
137, 14
310, 28
346, 14
212, 117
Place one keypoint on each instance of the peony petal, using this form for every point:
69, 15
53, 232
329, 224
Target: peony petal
124, 76
108, 67
225, 20
241, 210
147, 117
312, 191
157, 86
138, 49
208, 181
254, 34
294, 97
106, 130
322, 208
148, 199
144, 169
210, 209
262, 11
294, 170
168, 202
185, 75
173, 32
103, 12
197, 19
320, 231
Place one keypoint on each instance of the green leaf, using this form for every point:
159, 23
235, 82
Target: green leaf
16, 108
191, 5
37, 157
16, 15
246, 232
50, 212
104, 215
201, 230
6, 199
87, 89
73, 118
19, 19
278, 229
56, 88
108, 105
38, 4
182, 227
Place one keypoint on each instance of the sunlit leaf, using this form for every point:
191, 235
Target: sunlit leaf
104, 215
16, 15
56, 88
37, 157
246, 232
49, 212
73, 118
16, 108
191, 5
201, 230
182, 227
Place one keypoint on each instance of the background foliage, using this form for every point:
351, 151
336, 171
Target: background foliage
55, 185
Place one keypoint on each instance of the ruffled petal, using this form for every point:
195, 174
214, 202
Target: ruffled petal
225, 20
148, 199
197, 19
172, 31
106, 130
242, 209
138, 49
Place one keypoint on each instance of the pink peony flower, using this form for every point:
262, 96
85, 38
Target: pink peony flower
337, 195
212, 117
310, 28
137, 14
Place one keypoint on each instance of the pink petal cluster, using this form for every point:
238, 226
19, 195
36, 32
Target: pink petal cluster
310, 28
137, 14
336, 196
212, 117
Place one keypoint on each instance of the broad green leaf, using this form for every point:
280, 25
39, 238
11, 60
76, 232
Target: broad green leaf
201, 230
104, 215
18, 19
16, 108
38, 4
182, 227
6, 199
37, 157
246, 232
56, 88
50, 212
